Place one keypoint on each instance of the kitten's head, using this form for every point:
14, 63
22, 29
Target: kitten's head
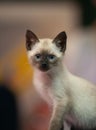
45, 54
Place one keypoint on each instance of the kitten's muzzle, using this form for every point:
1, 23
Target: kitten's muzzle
44, 67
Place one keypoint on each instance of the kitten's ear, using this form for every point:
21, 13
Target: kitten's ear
31, 39
60, 41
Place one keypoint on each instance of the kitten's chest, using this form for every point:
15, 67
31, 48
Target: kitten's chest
44, 87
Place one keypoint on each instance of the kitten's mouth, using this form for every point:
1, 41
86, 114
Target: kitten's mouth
44, 68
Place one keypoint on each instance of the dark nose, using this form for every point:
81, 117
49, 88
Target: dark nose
44, 65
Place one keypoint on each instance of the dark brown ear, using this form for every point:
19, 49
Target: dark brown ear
60, 41
31, 39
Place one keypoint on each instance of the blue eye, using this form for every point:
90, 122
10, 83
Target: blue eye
37, 56
51, 57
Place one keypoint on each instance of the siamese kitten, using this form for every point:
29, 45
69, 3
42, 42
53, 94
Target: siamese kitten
73, 98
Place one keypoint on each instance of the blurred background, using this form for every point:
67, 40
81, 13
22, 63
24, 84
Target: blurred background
46, 19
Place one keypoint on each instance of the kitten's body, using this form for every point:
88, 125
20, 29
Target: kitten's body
81, 94
73, 98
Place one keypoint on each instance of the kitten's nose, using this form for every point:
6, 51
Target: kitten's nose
44, 65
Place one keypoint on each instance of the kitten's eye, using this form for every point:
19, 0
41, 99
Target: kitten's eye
51, 57
37, 57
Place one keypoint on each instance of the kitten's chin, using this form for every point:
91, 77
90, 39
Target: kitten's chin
44, 70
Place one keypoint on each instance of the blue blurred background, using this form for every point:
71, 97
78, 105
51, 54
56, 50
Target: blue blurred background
46, 19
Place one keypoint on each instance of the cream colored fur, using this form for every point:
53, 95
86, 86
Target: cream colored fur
73, 98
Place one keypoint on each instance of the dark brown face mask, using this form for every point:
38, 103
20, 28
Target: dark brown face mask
44, 63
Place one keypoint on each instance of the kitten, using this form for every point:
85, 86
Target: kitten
73, 98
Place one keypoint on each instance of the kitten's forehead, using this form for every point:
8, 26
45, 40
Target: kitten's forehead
45, 45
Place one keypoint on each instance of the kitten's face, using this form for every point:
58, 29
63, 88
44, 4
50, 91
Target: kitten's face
44, 54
